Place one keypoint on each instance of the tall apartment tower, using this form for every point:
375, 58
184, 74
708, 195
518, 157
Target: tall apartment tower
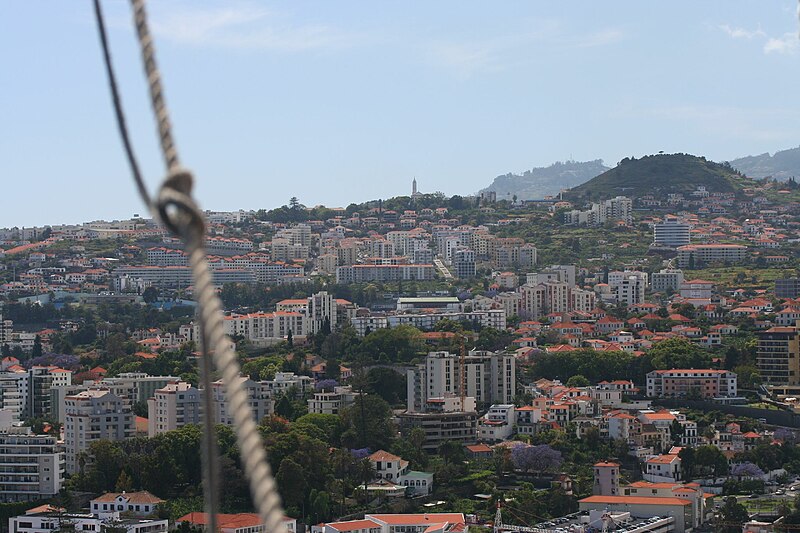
35, 465
94, 415
172, 407
671, 232
606, 479
489, 378
778, 355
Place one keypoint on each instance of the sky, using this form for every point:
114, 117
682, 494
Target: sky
340, 102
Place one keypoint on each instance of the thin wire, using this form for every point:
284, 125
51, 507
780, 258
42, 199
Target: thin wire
153, 75
181, 215
121, 124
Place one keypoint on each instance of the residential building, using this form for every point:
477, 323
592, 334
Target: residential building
172, 407
94, 415
47, 519
464, 263
668, 279
497, 424
488, 377
444, 419
671, 232
787, 288
261, 402
395, 469
778, 356
693, 255
31, 466
332, 402
606, 479
662, 468
139, 504
703, 383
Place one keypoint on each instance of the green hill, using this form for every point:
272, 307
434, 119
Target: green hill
659, 175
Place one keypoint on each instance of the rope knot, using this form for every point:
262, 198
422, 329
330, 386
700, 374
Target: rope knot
177, 209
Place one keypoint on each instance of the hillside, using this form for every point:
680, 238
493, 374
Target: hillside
539, 182
782, 165
658, 175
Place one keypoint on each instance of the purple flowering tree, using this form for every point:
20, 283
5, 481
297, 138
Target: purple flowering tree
746, 470
360, 453
325, 384
537, 459
784, 435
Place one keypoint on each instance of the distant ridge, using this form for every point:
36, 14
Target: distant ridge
783, 165
659, 175
539, 182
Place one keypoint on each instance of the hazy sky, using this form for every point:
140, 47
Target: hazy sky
336, 102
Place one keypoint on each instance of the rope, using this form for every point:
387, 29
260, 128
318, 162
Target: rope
180, 214
154, 83
121, 124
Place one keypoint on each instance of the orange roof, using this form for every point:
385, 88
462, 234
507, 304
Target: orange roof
478, 448
382, 455
650, 485
419, 519
663, 459
635, 500
352, 525
131, 497
227, 521
606, 464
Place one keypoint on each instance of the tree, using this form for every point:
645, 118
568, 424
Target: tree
37, 347
678, 353
150, 294
367, 424
291, 483
746, 470
577, 381
541, 458
290, 339
284, 407
124, 483
733, 515
686, 456
388, 384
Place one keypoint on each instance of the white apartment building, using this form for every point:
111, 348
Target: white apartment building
31, 466
666, 279
283, 381
172, 407
710, 253
628, 287
332, 402
671, 232
47, 519
261, 401
14, 393
94, 415
498, 423
488, 377
707, 383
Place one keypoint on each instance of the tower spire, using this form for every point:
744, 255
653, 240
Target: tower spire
414, 186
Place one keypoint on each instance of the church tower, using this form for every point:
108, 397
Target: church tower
414, 187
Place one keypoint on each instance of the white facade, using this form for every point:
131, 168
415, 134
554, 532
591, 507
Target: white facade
671, 232
173, 407
94, 415
31, 466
